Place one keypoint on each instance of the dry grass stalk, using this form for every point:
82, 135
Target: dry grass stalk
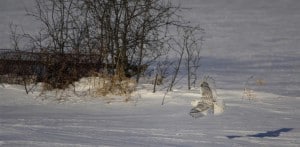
112, 85
260, 82
249, 94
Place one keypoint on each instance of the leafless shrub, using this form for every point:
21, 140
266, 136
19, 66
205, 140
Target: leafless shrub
260, 82
249, 94
114, 86
192, 41
251, 85
161, 72
158, 79
120, 37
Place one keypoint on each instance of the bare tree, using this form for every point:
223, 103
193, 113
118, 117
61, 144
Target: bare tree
15, 37
120, 37
60, 39
161, 71
179, 55
131, 32
192, 40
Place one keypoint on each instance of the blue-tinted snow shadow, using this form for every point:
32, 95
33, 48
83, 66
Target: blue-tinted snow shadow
275, 133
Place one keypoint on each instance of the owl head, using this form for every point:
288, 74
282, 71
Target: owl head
204, 84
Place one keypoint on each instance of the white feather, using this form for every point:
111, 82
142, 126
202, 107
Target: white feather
194, 103
219, 107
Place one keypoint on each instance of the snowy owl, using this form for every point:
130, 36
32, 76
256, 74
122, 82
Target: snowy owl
206, 92
206, 104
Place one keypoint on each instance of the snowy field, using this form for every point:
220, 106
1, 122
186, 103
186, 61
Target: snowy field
243, 38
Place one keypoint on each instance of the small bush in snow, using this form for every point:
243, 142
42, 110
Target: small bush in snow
249, 94
115, 86
252, 85
101, 85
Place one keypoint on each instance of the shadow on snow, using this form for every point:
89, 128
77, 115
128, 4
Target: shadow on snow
275, 133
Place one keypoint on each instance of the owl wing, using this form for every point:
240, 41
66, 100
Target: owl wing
200, 109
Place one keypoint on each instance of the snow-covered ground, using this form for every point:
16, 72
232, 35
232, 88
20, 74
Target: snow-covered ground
244, 38
270, 120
